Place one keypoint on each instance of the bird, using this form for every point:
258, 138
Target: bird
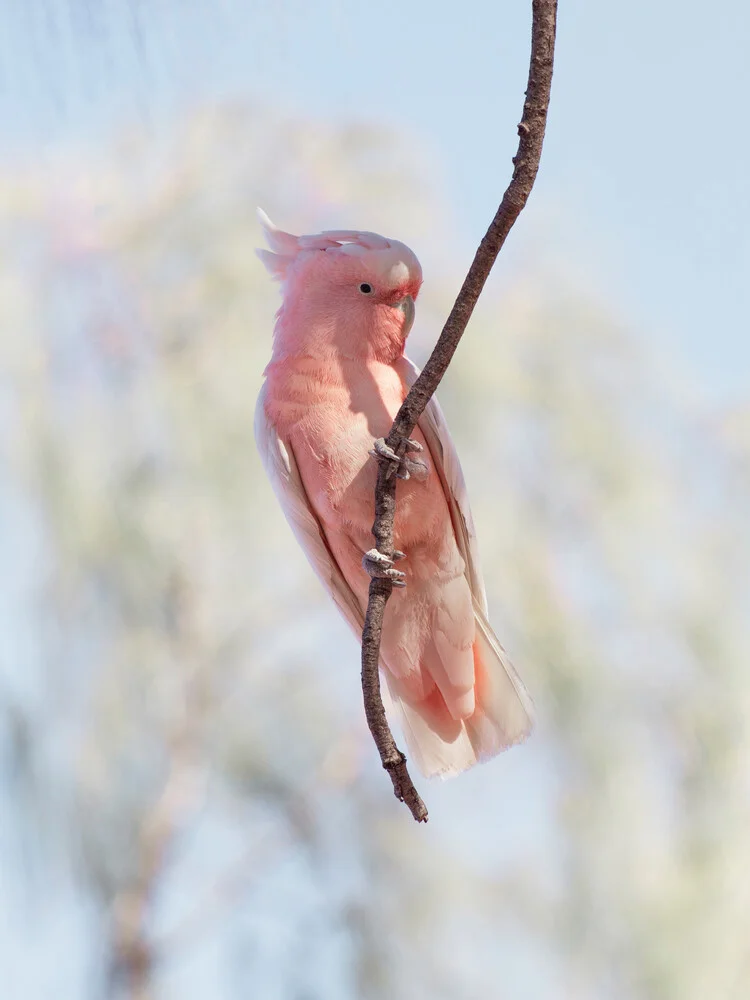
336, 379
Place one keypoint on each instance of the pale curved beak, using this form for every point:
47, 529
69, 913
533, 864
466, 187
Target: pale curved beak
406, 305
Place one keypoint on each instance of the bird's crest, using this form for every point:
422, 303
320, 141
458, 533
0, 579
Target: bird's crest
285, 247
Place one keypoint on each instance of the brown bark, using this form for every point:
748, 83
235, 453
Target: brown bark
526, 164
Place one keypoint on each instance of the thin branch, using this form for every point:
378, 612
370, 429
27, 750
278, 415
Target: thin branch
526, 164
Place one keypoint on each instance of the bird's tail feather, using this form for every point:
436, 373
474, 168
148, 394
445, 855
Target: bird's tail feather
503, 715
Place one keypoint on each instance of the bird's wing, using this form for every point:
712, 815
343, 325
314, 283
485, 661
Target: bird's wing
281, 467
507, 711
513, 718
433, 425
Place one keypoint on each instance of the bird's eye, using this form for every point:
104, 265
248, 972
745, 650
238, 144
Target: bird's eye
365, 288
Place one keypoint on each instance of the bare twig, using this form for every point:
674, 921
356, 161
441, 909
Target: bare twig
526, 163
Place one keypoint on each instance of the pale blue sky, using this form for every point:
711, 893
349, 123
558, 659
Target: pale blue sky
644, 191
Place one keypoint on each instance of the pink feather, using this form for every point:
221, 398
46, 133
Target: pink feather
335, 382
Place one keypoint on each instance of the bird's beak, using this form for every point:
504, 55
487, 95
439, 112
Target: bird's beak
406, 305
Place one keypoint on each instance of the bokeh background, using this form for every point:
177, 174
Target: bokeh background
190, 805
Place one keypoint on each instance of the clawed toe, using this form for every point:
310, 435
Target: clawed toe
381, 567
405, 467
381, 449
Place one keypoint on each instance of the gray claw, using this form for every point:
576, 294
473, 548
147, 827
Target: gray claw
380, 566
382, 450
405, 467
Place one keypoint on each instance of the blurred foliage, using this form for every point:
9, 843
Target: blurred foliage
185, 762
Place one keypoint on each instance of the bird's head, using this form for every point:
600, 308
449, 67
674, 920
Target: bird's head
346, 292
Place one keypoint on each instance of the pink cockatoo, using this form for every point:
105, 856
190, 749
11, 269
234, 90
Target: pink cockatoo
336, 379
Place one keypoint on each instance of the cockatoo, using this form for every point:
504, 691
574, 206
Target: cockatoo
336, 379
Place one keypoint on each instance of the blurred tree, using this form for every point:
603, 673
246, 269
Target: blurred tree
187, 768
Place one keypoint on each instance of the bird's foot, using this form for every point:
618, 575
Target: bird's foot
381, 567
405, 467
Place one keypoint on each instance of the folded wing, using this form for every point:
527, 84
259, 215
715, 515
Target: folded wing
504, 710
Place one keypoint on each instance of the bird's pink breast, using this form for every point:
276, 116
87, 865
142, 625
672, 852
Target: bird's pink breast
332, 412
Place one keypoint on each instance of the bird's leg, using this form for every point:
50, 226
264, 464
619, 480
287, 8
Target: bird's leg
378, 565
406, 468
